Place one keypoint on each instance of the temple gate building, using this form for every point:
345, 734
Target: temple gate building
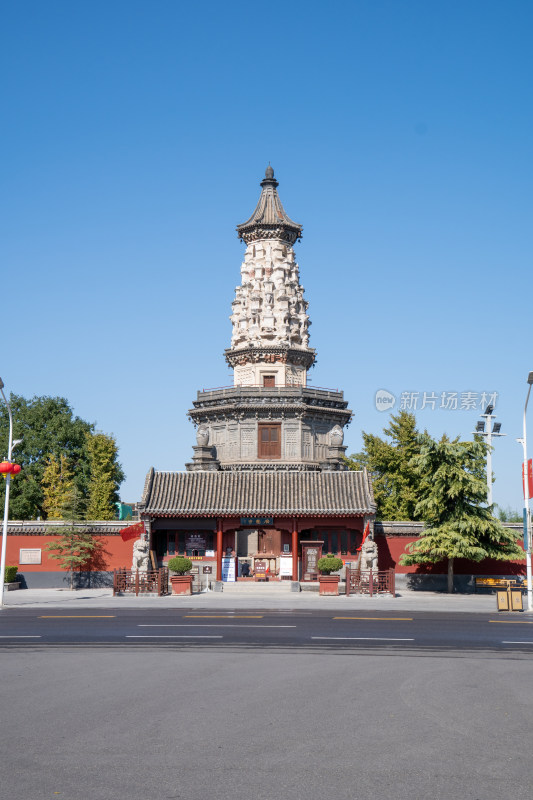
267, 480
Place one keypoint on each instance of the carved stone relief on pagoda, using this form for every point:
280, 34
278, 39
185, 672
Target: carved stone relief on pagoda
269, 306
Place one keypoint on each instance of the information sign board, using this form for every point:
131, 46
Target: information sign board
228, 570
285, 566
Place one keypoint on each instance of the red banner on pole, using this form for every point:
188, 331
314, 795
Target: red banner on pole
529, 478
132, 531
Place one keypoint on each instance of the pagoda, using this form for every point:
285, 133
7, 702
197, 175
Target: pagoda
270, 419
267, 485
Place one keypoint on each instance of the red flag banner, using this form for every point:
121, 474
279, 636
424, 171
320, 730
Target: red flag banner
132, 531
365, 534
529, 478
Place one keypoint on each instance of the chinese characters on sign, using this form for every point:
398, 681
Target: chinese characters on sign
449, 401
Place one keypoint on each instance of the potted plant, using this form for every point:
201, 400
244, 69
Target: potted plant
10, 578
181, 582
328, 583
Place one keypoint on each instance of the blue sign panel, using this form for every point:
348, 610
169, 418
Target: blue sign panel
253, 521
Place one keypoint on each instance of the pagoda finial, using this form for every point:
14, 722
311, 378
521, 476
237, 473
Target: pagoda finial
269, 220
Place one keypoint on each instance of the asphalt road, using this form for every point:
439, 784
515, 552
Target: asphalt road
500, 633
96, 705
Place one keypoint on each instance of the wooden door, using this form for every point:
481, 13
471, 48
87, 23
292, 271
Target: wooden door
269, 441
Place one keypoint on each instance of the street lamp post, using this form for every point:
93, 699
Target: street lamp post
6, 503
488, 434
527, 521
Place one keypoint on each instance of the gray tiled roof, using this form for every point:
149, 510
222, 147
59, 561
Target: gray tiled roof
229, 494
269, 211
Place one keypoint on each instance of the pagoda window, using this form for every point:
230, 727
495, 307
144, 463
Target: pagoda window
269, 444
269, 380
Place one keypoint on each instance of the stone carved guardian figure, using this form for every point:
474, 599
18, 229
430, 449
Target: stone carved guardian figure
369, 556
140, 556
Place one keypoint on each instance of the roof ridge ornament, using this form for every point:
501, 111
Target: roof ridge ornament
269, 220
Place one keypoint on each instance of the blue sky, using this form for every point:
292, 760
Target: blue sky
134, 137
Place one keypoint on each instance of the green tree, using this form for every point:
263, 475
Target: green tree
509, 514
458, 524
75, 548
397, 485
46, 425
57, 484
105, 476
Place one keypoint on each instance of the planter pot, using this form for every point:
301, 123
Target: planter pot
11, 587
329, 584
181, 584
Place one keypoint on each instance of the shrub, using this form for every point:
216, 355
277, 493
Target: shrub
180, 565
10, 574
329, 563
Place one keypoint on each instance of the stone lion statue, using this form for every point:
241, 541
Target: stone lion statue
140, 556
369, 556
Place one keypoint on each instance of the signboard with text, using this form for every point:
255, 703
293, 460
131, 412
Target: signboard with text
285, 567
228, 570
252, 521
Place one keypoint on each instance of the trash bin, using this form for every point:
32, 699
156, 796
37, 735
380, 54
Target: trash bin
516, 600
502, 599
509, 599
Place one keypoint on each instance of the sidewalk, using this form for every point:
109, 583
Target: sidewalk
260, 600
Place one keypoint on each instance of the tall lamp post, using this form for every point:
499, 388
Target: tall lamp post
6, 503
488, 434
527, 520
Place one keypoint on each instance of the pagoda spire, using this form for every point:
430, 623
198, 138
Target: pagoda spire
269, 220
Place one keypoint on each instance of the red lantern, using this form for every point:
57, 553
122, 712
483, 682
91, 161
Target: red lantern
15, 469
5, 467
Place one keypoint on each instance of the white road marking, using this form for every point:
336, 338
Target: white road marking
517, 642
20, 637
173, 636
214, 625
364, 638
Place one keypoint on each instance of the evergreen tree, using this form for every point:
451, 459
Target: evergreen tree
57, 484
397, 486
458, 524
75, 548
105, 476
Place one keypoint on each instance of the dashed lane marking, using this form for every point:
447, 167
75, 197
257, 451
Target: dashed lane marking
173, 636
364, 638
378, 619
517, 642
213, 625
78, 616
20, 637
222, 616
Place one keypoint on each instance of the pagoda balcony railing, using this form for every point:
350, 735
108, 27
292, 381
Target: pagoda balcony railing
280, 389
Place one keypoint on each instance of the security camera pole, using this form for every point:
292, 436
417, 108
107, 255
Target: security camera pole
488, 434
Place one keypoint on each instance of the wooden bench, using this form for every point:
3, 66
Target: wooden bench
498, 583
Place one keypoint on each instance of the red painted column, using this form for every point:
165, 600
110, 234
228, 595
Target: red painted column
294, 551
219, 550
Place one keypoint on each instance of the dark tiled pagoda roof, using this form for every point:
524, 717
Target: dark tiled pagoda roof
234, 493
269, 219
